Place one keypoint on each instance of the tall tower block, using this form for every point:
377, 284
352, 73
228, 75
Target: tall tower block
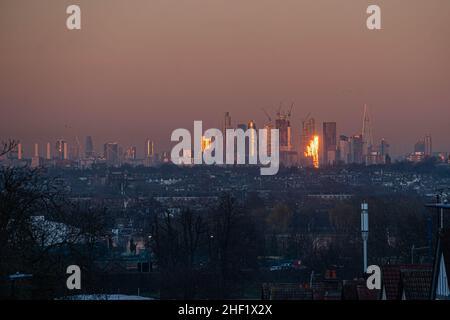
367, 132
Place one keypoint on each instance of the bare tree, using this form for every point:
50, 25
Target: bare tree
7, 146
234, 246
176, 243
41, 232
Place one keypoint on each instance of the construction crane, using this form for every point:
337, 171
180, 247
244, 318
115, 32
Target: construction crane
284, 115
290, 111
307, 117
279, 110
267, 115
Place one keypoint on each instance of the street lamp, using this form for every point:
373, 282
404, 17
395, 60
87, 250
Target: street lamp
441, 204
365, 230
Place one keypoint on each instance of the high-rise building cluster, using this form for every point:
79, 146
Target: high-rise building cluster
64, 154
316, 149
423, 150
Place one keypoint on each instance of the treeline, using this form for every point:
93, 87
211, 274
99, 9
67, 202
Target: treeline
228, 242
42, 232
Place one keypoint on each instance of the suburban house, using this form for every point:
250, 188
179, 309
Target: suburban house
406, 282
440, 281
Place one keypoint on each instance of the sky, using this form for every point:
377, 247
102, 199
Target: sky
142, 68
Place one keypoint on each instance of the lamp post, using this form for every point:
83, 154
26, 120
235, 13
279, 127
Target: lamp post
365, 231
441, 204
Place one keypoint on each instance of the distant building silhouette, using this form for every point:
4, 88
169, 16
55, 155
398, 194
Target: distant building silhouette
329, 143
112, 153
89, 147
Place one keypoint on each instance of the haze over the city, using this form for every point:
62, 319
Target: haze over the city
142, 68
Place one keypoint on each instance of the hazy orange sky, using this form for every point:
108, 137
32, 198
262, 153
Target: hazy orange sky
142, 68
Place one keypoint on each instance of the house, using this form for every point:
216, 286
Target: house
327, 289
416, 284
441, 270
357, 290
406, 282
286, 291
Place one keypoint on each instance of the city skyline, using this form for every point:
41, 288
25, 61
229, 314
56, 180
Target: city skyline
332, 147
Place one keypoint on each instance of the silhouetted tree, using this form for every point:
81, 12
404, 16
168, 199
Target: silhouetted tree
235, 243
176, 242
40, 232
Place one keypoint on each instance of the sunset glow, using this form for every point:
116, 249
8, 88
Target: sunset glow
312, 151
206, 143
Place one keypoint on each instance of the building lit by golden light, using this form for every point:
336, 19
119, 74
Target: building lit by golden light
312, 151
206, 143
149, 148
252, 139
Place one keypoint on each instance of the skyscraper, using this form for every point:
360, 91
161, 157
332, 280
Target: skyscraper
308, 132
226, 125
66, 151
89, 148
428, 146
149, 149
35, 160
252, 139
269, 127
312, 151
206, 143
112, 153
329, 143
61, 149
283, 124
75, 152
130, 153
19, 151
227, 122
419, 147
344, 150
36, 150
288, 156
48, 153
367, 135
149, 156
357, 149
384, 148
308, 140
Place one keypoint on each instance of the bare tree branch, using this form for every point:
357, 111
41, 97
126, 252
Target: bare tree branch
7, 146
